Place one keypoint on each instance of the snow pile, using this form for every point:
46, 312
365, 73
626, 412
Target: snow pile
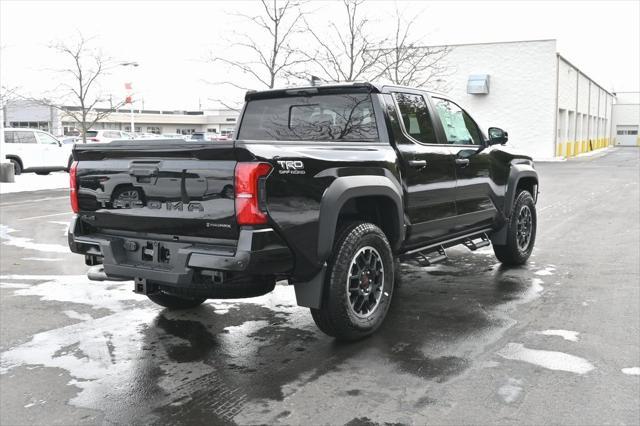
33, 182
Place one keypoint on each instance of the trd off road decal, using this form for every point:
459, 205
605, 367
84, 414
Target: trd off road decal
291, 167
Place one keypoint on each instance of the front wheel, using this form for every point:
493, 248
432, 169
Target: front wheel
521, 232
175, 302
358, 285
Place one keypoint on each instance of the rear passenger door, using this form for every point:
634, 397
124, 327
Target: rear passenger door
25, 145
475, 189
429, 171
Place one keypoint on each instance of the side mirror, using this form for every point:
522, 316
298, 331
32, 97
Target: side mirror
497, 136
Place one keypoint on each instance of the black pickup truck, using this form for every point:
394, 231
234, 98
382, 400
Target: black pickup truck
327, 187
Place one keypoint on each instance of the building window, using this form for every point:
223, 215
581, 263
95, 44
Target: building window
232, 119
69, 129
153, 129
40, 125
185, 131
212, 130
128, 129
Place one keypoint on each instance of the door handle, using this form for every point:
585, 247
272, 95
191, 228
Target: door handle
418, 164
464, 162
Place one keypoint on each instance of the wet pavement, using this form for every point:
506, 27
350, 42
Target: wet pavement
465, 341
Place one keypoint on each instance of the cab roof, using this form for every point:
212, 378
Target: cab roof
362, 87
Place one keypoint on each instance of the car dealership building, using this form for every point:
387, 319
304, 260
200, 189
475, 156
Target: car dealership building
549, 106
23, 113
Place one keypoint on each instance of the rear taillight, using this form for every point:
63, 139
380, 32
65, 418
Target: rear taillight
250, 193
73, 186
94, 139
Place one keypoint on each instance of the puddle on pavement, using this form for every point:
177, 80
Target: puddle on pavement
242, 360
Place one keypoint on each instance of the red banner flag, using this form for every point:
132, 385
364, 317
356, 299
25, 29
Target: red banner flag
127, 100
127, 86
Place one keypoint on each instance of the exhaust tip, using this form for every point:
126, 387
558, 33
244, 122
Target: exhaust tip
96, 273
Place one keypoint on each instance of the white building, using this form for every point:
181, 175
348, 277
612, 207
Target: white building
215, 122
625, 118
549, 107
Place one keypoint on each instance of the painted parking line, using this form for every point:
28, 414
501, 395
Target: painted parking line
38, 200
46, 215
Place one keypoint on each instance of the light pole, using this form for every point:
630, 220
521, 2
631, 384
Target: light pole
135, 65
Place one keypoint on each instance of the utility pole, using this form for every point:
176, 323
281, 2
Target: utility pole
130, 94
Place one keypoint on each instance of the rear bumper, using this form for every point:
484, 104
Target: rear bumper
257, 252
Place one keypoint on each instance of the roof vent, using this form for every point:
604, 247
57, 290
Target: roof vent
478, 84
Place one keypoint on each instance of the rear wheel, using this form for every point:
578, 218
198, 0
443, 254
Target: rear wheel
521, 232
359, 283
171, 301
17, 168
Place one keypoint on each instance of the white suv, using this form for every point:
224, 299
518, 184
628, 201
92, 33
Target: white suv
106, 135
33, 150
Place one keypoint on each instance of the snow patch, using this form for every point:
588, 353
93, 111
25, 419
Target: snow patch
27, 243
510, 391
33, 182
14, 285
631, 371
78, 289
569, 335
551, 360
43, 259
77, 315
549, 270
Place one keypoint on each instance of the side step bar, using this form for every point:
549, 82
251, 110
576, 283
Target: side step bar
425, 258
473, 245
434, 253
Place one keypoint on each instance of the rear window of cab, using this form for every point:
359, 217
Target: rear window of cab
336, 117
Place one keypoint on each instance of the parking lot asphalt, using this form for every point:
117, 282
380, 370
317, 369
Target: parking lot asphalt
465, 342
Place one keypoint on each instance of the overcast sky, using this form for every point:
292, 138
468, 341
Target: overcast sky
171, 39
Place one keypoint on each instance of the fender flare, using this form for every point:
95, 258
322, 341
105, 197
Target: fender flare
341, 190
518, 171
345, 188
14, 157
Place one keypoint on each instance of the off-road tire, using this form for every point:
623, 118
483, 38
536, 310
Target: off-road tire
17, 168
171, 301
511, 253
336, 316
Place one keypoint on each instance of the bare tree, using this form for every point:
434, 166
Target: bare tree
408, 63
352, 54
271, 57
79, 96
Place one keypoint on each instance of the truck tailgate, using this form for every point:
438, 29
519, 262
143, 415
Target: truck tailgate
177, 189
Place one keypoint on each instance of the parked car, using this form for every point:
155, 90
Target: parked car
198, 136
328, 187
173, 136
106, 135
146, 136
32, 150
70, 140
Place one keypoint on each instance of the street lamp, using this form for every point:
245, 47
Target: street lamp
135, 65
